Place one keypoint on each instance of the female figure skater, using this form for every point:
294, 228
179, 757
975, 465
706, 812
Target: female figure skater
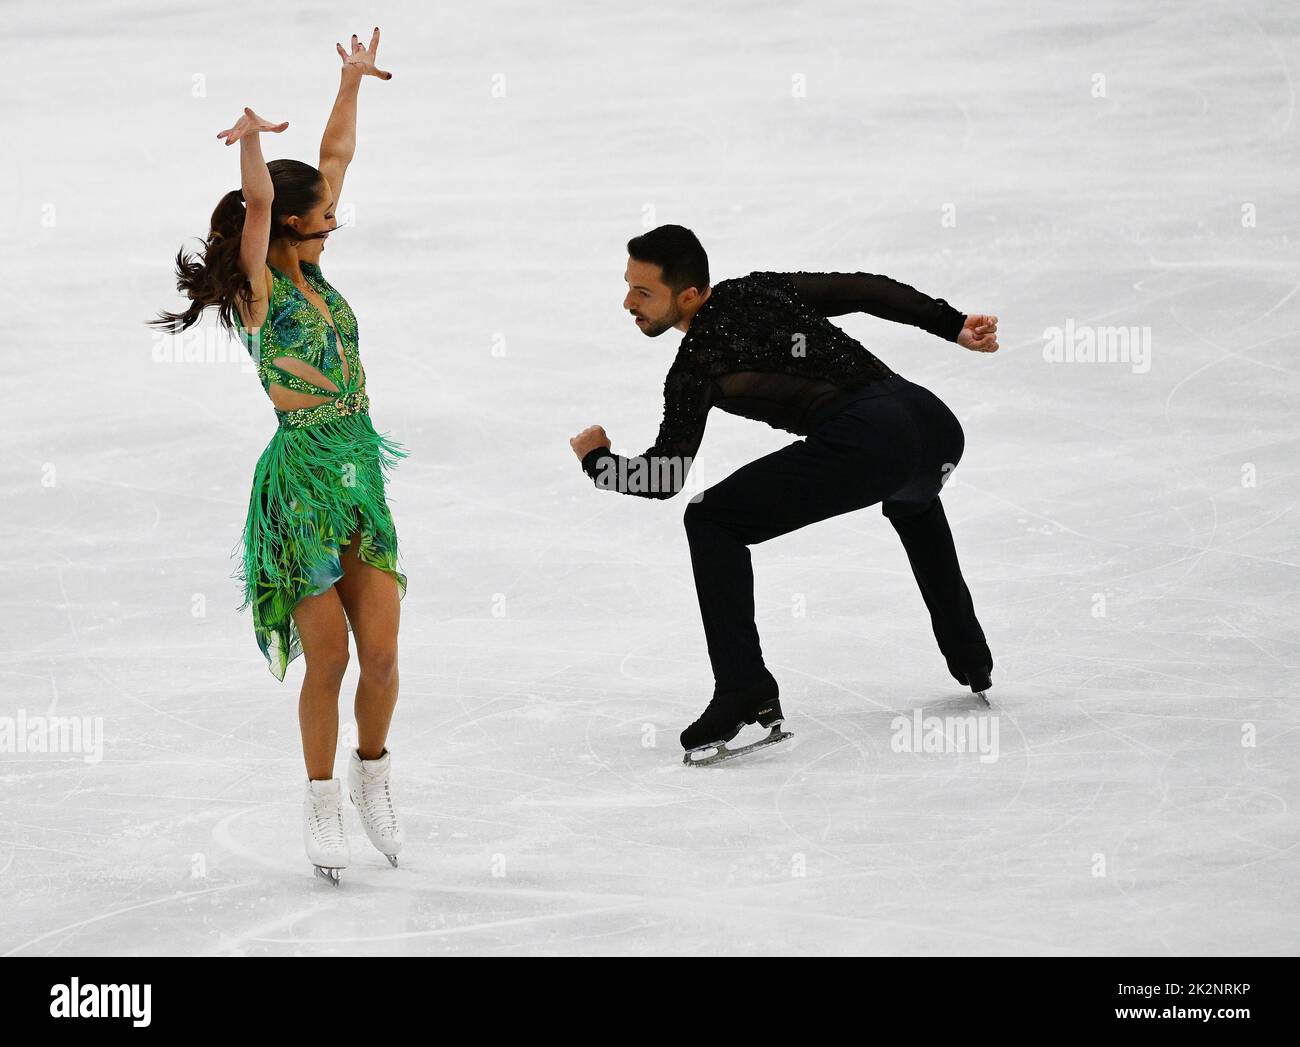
320, 552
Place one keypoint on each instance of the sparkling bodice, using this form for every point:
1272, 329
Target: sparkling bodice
295, 328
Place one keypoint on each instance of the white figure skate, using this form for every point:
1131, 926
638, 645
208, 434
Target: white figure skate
370, 787
322, 829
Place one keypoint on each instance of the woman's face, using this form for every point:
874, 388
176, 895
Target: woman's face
319, 219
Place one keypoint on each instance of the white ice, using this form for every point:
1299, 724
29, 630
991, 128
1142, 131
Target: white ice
1129, 534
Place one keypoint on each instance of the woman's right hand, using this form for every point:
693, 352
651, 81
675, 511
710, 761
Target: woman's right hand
249, 123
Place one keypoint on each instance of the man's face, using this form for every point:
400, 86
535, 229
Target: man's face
650, 301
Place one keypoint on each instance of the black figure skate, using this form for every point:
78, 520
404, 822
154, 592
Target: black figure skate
723, 720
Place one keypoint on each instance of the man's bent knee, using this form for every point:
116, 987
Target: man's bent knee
901, 512
695, 514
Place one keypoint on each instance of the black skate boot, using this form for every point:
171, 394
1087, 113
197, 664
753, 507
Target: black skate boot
979, 677
725, 717
973, 666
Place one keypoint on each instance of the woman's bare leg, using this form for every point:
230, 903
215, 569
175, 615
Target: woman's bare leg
371, 600
323, 631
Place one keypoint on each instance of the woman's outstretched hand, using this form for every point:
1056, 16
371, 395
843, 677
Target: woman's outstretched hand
250, 122
979, 334
364, 57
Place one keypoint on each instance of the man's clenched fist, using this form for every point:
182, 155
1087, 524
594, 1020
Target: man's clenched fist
979, 333
588, 440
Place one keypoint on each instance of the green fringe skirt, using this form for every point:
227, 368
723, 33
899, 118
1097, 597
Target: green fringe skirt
313, 486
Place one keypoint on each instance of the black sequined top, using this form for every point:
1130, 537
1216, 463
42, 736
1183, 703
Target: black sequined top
762, 348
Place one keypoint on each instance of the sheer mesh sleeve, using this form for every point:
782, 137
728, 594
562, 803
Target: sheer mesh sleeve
834, 294
661, 471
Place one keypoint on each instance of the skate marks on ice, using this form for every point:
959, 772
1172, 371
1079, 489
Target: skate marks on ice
622, 850
71, 929
666, 916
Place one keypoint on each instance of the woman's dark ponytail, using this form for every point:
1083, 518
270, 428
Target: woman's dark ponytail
215, 277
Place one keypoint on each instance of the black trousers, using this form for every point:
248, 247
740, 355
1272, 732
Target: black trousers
895, 443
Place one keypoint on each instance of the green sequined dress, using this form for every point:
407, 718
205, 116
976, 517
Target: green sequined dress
321, 477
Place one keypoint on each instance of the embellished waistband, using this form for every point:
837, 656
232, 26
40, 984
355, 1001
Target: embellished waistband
340, 407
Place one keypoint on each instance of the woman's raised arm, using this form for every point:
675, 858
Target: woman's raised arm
258, 193
339, 142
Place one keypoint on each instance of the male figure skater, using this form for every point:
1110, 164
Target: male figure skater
761, 346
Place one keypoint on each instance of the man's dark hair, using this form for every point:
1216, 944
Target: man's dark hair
677, 251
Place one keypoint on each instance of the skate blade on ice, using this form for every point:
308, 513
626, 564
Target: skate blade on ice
983, 698
328, 873
723, 753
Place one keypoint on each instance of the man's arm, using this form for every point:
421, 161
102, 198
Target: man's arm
661, 471
834, 294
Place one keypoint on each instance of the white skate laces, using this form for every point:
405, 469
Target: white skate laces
323, 834
370, 788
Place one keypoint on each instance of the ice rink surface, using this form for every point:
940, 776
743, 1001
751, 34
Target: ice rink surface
1128, 532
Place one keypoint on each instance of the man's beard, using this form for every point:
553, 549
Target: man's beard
654, 328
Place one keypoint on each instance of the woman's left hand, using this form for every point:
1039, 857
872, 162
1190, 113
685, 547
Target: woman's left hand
363, 58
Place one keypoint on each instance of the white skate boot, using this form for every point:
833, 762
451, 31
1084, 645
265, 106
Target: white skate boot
322, 829
369, 786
